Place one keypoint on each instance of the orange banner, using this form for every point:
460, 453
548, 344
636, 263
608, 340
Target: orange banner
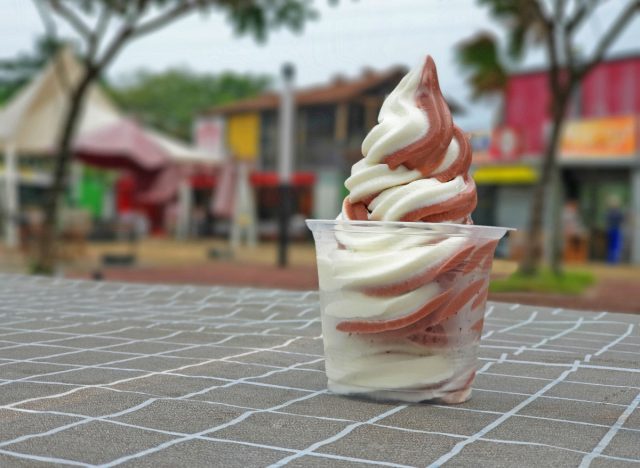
608, 137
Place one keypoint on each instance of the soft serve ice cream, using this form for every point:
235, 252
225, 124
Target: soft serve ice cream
402, 311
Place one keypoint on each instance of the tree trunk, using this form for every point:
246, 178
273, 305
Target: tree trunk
47, 251
535, 235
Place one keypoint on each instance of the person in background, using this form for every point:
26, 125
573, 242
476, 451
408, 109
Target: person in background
574, 233
615, 220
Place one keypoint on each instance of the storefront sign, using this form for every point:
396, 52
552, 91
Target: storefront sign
505, 175
243, 136
505, 144
606, 138
209, 136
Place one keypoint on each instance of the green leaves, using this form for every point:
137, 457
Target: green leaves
521, 19
171, 100
479, 55
257, 17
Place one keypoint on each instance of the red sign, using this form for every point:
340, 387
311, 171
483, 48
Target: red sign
506, 144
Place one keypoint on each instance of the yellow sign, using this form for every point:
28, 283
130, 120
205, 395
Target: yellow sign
505, 175
243, 136
608, 137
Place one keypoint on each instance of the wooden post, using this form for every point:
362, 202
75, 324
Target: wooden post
12, 202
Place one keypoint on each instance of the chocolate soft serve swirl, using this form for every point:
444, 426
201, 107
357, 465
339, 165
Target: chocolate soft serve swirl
416, 161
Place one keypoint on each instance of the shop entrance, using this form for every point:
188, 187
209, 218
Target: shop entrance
603, 206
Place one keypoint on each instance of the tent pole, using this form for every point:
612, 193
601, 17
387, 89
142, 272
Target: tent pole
185, 200
11, 196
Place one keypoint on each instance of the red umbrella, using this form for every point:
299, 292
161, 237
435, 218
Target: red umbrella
126, 145
123, 145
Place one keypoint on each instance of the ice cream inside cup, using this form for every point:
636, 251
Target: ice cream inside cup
403, 272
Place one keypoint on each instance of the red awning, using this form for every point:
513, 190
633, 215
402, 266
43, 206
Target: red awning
123, 145
271, 179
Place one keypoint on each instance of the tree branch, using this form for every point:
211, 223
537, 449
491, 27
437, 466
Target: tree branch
96, 36
585, 7
550, 41
159, 21
609, 38
70, 17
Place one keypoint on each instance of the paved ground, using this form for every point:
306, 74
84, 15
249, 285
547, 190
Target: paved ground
103, 374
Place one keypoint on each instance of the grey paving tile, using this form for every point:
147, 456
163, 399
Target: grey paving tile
607, 376
88, 402
93, 376
624, 444
172, 386
21, 461
297, 378
335, 406
553, 433
320, 462
205, 454
146, 347
86, 357
20, 370
19, 423
251, 396
275, 358
439, 419
157, 363
594, 413
502, 455
603, 394
29, 352
226, 370
184, 416
19, 391
391, 445
93, 442
281, 430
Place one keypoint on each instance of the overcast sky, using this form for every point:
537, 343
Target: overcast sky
346, 38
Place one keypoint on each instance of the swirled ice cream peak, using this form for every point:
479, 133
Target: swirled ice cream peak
415, 160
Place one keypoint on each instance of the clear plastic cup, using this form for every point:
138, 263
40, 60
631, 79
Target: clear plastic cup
402, 306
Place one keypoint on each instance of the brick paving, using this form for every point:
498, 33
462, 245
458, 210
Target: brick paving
613, 294
108, 374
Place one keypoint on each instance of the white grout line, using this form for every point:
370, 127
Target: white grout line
554, 337
531, 318
26, 456
460, 445
597, 451
615, 342
202, 433
347, 430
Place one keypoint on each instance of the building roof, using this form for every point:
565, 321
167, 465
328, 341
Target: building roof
338, 90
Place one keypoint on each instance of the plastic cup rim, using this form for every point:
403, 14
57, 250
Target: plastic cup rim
471, 230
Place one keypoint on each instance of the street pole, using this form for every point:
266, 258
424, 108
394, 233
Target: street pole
285, 160
11, 196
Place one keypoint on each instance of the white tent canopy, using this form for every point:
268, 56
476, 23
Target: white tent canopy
31, 120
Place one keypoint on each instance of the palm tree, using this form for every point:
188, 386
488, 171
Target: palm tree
553, 25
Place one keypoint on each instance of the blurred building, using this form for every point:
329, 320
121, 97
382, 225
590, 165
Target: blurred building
599, 157
331, 122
